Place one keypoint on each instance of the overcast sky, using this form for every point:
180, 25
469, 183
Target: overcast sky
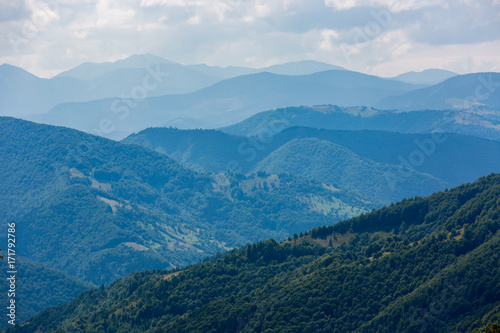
372, 36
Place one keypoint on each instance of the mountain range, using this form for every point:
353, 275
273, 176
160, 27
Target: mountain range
420, 265
374, 164
167, 199
156, 80
478, 123
225, 102
90, 71
94, 81
119, 98
460, 92
132, 200
233, 100
94, 209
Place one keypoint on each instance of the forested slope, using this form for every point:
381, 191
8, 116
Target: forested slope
423, 264
98, 209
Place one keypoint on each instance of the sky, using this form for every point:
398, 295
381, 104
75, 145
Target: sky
377, 37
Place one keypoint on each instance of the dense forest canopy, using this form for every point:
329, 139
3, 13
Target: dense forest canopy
422, 264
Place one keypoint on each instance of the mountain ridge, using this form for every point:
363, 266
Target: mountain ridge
468, 91
416, 265
429, 76
227, 101
335, 157
465, 122
98, 209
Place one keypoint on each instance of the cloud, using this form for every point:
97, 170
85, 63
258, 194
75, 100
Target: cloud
392, 5
12, 10
363, 35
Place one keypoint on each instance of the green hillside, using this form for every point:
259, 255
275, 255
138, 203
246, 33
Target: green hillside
37, 288
333, 164
420, 265
382, 166
98, 209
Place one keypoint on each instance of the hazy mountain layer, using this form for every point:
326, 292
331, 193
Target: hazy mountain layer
121, 83
223, 103
483, 124
381, 165
428, 76
470, 91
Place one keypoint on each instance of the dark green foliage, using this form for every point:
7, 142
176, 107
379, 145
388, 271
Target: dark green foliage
494, 328
397, 269
37, 287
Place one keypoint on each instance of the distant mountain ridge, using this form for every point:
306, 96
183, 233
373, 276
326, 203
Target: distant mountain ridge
90, 71
226, 102
127, 77
428, 76
469, 91
370, 163
160, 79
116, 99
483, 124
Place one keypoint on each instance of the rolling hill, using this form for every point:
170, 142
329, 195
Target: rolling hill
98, 209
371, 163
420, 265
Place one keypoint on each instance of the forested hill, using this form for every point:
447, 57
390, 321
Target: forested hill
370, 163
98, 209
37, 288
420, 265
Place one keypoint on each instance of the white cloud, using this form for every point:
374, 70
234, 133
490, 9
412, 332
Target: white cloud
392, 5
377, 35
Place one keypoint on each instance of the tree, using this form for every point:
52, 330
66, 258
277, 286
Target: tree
494, 328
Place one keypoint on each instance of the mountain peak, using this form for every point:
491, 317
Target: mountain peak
301, 67
7, 69
427, 76
90, 70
